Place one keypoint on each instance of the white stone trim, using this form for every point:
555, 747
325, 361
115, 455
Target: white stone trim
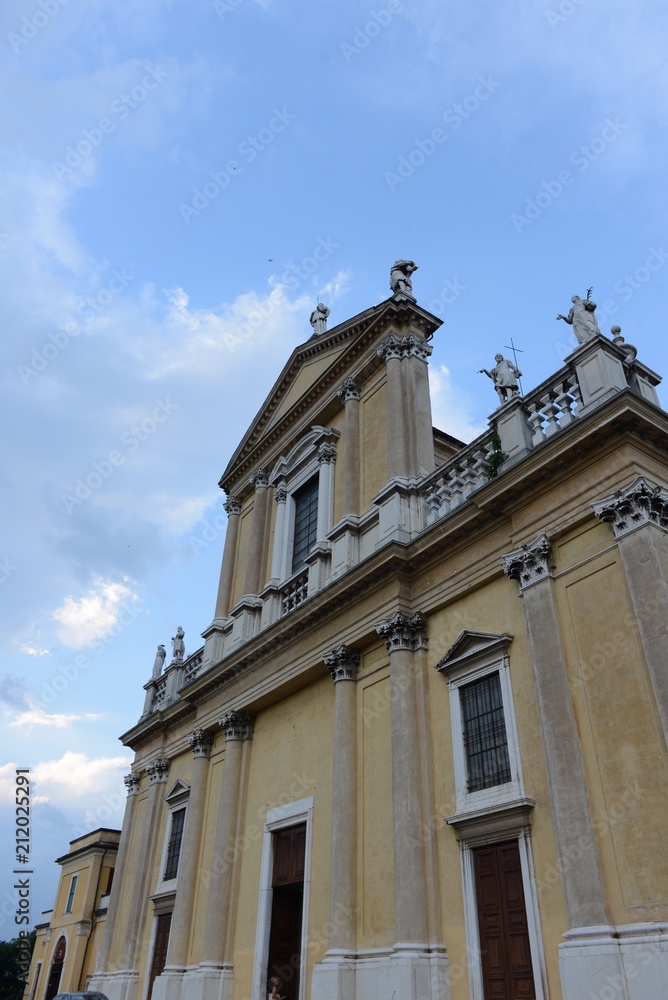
467, 673
282, 816
176, 799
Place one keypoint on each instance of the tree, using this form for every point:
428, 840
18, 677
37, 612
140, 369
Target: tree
13, 969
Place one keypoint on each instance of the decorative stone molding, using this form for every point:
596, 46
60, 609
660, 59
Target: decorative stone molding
237, 726
280, 494
349, 389
232, 506
132, 781
343, 663
634, 506
404, 347
200, 743
326, 454
260, 478
530, 563
157, 770
84, 927
402, 631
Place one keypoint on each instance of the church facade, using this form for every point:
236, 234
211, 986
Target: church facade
422, 752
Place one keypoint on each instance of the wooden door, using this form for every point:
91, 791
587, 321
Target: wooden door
504, 937
287, 906
159, 949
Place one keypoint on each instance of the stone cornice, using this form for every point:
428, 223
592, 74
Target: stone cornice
343, 663
530, 563
237, 726
635, 505
200, 743
402, 631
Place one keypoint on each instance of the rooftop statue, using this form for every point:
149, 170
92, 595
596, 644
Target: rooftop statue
178, 645
318, 319
504, 376
159, 662
400, 277
581, 318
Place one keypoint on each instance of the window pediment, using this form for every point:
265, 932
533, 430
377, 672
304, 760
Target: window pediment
179, 790
471, 646
304, 452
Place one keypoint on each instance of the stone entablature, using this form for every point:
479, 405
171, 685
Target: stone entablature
636, 505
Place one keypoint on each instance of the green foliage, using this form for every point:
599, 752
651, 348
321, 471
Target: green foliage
497, 457
12, 975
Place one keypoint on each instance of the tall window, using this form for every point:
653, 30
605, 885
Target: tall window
174, 846
485, 739
306, 522
70, 896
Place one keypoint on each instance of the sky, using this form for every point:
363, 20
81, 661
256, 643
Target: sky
182, 180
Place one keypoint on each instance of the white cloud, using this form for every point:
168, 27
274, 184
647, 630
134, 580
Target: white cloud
77, 775
93, 616
33, 651
38, 717
453, 410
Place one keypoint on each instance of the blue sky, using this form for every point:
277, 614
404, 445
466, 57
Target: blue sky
181, 181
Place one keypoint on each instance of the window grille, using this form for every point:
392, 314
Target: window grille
485, 739
306, 522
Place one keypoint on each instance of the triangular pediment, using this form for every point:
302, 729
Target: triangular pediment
309, 381
471, 645
177, 791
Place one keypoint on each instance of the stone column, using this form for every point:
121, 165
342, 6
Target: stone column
405, 634
531, 566
157, 772
343, 664
419, 420
349, 394
132, 781
391, 351
639, 519
238, 727
256, 550
189, 860
326, 460
233, 508
278, 561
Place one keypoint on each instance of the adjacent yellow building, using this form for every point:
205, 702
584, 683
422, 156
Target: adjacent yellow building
68, 943
422, 753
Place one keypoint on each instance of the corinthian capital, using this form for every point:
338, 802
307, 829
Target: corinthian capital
349, 389
132, 782
232, 506
392, 347
529, 563
237, 726
418, 348
634, 506
200, 743
260, 478
157, 770
402, 631
343, 663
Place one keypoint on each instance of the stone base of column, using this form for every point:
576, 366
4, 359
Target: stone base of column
629, 962
409, 971
208, 981
121, 985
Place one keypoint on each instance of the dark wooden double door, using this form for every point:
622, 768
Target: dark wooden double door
502, 920
287, 907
